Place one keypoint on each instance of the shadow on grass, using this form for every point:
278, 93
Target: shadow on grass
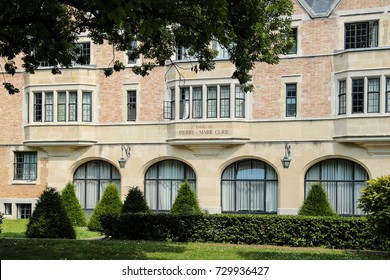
55, 249
314, 255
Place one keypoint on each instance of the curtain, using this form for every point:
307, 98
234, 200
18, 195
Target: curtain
228, 196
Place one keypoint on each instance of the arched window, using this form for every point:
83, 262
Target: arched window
162, 181
343, 179
90, 180
249, 186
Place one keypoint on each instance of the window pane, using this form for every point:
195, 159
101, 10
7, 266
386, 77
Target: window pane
225, 102
37, 106
61, 107
131, 105
197, 102
358, 96
73, 106
212, 102
373, 95
87, 106
240, 103
342, 97
291, 100
48, 106
25, 166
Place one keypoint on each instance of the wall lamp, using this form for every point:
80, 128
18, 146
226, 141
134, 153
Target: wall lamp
286, 160
125, 152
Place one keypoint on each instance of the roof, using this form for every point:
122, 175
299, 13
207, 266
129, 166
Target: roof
319, 8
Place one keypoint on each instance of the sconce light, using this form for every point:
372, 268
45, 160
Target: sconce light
286, 160
125, 151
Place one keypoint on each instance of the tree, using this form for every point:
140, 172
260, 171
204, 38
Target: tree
375, 201
186, 202
73, 207
109, 204
316, 203
135, 202
47, 30
49, 219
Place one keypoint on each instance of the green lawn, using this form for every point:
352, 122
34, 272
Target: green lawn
14, 246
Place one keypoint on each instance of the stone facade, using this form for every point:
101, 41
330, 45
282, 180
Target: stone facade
172, 129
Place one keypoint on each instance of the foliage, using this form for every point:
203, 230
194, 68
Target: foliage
316, 203
186, 202
1, 220
41, 30
109, 204
49, 219
375, 201
135, 202
73, 207
295, 231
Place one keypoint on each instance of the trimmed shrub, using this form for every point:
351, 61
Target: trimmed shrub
375, 201
109, 204
135, 202
73, 207
295, 231
186, 202
316, 203
49, 219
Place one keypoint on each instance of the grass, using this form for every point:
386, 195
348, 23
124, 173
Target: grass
15, 247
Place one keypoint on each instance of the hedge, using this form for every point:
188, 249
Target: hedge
328, 232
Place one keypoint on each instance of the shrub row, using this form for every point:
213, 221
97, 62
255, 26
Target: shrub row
328, 232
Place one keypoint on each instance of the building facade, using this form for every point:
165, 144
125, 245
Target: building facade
325, 106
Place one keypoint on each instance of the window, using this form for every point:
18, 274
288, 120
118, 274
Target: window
23, 210
49, 106
342, 97
387, 95
197, 102
72, 106
358, 96
87, 107
25, 166
291, 100
61, 106
162, 181
131, 105
373, 95
90, 180
131, 53
294, 35
84, 53
249, 186
224, 102
183, 53
222, 51
240, 103
7, 208
212, 102
185, 103
343, 181
361, 35
37, 106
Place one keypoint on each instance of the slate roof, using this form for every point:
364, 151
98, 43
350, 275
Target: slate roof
319, 8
